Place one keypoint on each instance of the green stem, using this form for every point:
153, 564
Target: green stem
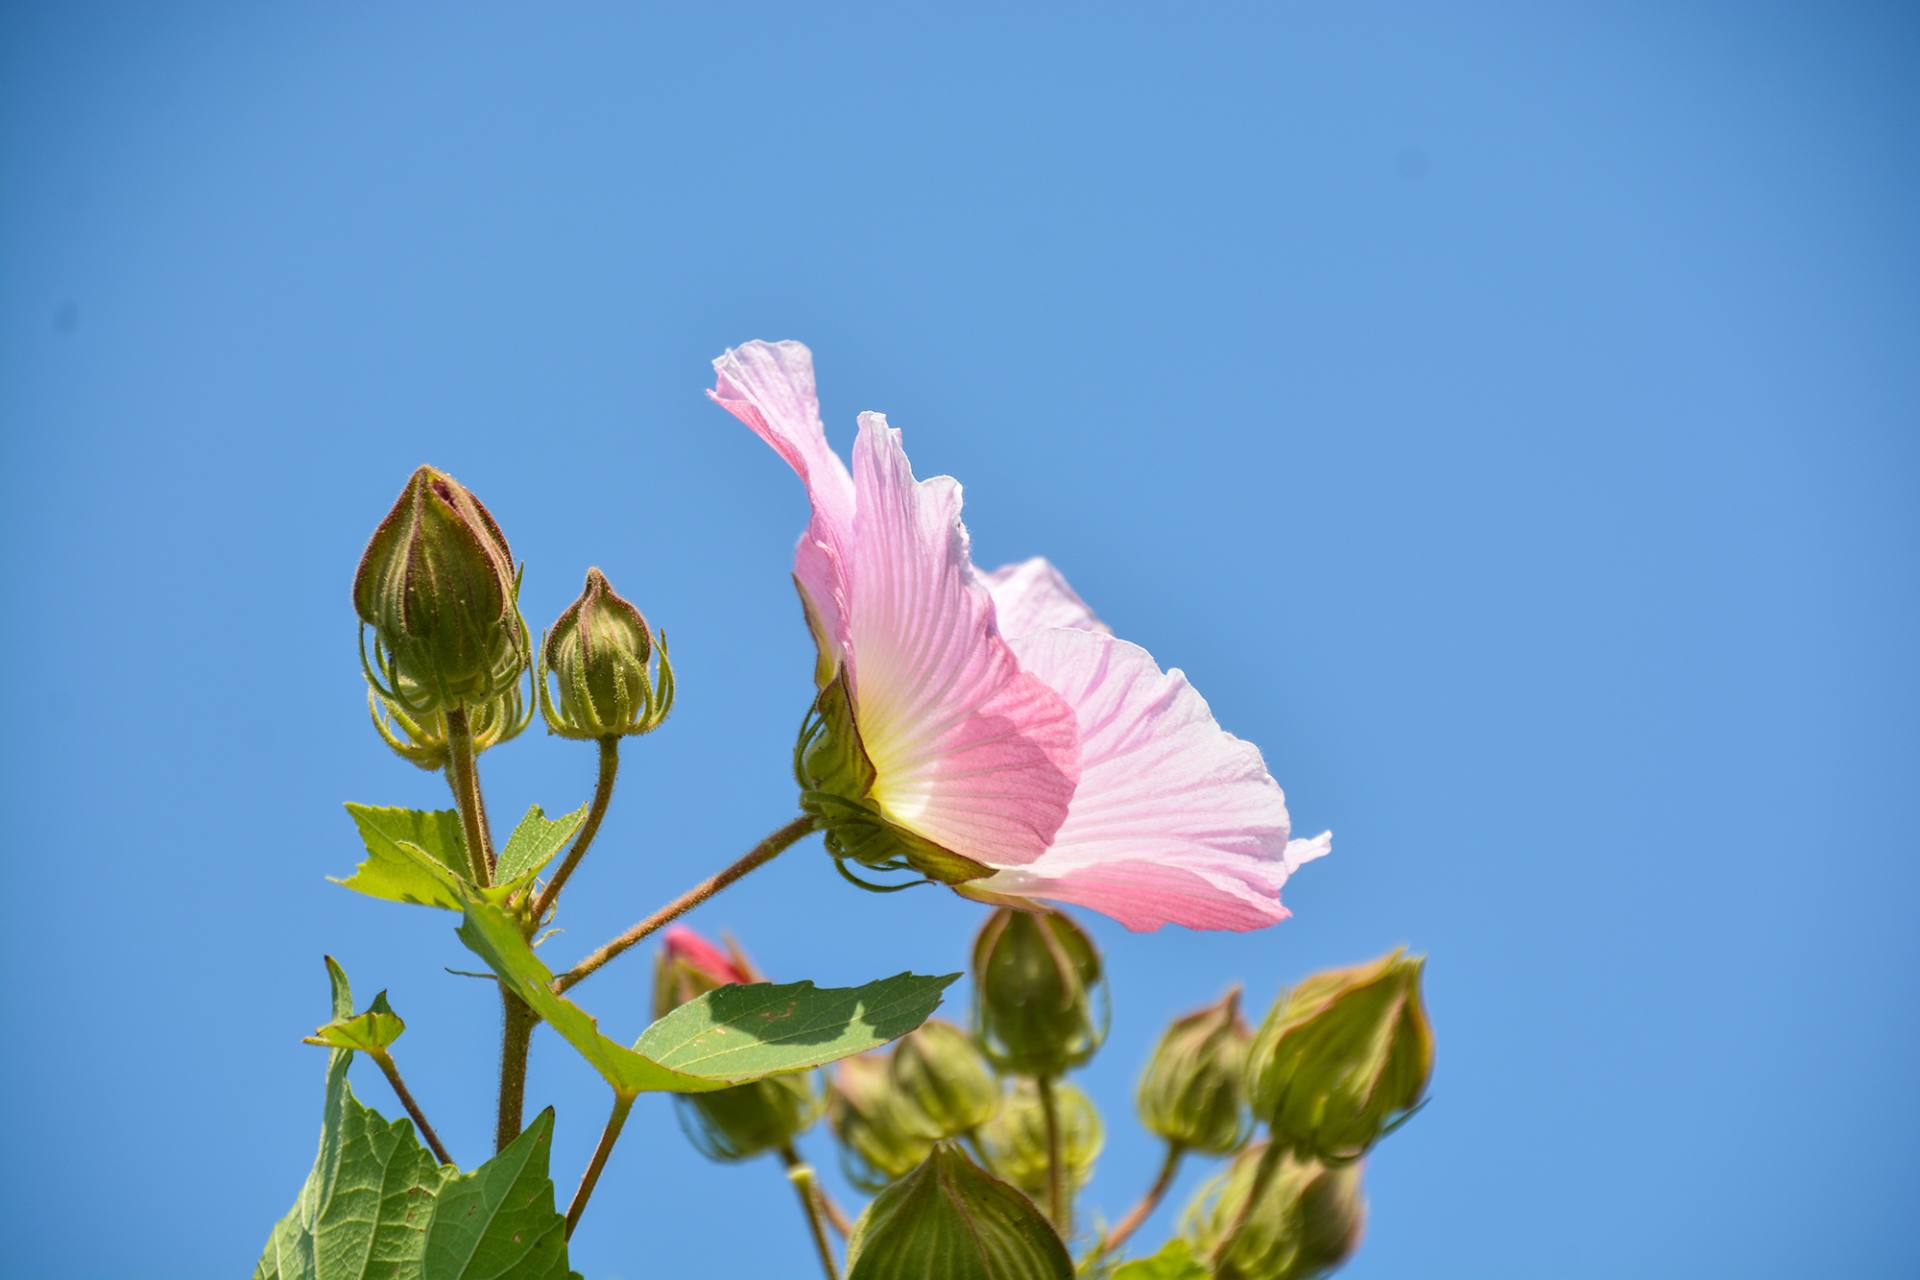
1148, 1202
516, 1043
602, 794
761, 854
464, 777
836, 1216
1058, 1206
801, 1175
622, 1104
384, 1061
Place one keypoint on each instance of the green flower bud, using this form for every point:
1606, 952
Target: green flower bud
736, 1123
1193, 1092
876, 1128
601, 651
944, 1080
1344, 1058
1039, 1001
1015, 1140
1273, 1216
437, 588
949, 1219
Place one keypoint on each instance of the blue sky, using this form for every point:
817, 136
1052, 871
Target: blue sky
1503, 413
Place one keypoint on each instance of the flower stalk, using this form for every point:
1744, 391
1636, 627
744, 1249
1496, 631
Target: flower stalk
761, 854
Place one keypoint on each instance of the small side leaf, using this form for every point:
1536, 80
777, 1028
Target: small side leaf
368, 1032
1175, 1261
420, 856
534, 843
413, 855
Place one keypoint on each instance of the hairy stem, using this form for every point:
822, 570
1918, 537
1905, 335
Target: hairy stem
1148, 1202
836, 1216
622, 1104
1058, 1206
808, 1188
758, 856
516, 1043
464, 777
384, 1060
602, 794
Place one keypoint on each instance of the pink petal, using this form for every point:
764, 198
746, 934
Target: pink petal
967, 749
769, 386
1175, 821
1032, 595
688, 947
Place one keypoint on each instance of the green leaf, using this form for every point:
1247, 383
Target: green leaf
951, 1219
533, 845
377, 1207
412, 856
1175, 1261
368, 1032
729, 1036
420, 856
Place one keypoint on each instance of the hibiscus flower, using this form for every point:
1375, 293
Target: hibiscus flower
986, 729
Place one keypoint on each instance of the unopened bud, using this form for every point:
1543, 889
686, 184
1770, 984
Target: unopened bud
729, 1124
601, 654
1344, 1058
437, 588
944, 1080
1039, 1001
1015, 1140
1273, 1216
1193, 1092
872, 1122
951, 1220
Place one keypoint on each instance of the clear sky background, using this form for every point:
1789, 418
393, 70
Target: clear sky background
1505, 415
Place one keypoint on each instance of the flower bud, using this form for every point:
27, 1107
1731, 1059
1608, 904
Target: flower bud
1273, 1216
729, 1124
689, 966
951, 1220
1344, 1058
1193, 1092
1015, 1140
944, 1080
437, 588
1039, 1001
600, 650
875, 1126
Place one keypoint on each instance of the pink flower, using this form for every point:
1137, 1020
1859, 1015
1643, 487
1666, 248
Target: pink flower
1001, 721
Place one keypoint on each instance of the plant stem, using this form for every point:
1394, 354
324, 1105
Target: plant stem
1263, 1172
801, 1175
622, 1104
1148, 1202
464, 778
836, 1216
516, 1042
384, 1060
759, 855
602, 793
1058, 1207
